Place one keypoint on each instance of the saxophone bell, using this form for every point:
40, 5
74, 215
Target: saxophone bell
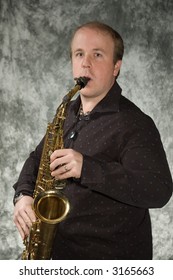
51, 206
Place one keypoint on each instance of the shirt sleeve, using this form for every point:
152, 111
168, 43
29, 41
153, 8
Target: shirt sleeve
28, 175
141, 177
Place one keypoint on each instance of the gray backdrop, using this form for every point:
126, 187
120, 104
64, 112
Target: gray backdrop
35, 73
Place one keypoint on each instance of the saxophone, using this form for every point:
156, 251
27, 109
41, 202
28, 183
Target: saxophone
50, 205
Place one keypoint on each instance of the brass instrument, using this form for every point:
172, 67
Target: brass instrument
51, 206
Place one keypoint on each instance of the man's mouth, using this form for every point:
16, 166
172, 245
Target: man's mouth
82, 81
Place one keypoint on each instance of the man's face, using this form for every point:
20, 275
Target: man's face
92, 56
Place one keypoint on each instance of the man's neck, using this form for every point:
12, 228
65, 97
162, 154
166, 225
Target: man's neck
88, 104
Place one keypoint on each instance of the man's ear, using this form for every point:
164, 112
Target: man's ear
117, 67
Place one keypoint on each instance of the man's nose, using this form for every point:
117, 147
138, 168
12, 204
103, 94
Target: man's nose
86, 63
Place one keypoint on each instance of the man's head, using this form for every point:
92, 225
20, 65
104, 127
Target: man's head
102, 27
96, 52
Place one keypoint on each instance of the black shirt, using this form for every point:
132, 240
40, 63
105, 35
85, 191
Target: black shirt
125, 172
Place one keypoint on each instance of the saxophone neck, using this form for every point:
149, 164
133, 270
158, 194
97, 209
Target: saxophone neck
70, 94
81, 82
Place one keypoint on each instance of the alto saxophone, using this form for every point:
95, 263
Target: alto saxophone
50, 205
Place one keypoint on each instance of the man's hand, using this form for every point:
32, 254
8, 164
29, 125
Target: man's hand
66, 163
24, 216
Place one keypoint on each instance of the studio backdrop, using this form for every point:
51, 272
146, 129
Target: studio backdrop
35, 73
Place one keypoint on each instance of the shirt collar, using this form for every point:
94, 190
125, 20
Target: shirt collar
110, 103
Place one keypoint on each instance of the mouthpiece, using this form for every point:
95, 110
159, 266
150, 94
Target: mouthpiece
82, 81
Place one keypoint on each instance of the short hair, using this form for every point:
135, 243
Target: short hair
117, 39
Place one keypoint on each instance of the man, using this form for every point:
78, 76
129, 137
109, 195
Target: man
113, 160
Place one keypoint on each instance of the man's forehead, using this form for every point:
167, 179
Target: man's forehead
84, 36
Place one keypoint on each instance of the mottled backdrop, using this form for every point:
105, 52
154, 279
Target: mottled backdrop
35, 72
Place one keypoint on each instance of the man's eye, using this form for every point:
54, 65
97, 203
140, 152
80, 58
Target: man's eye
79, 54
98, 55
